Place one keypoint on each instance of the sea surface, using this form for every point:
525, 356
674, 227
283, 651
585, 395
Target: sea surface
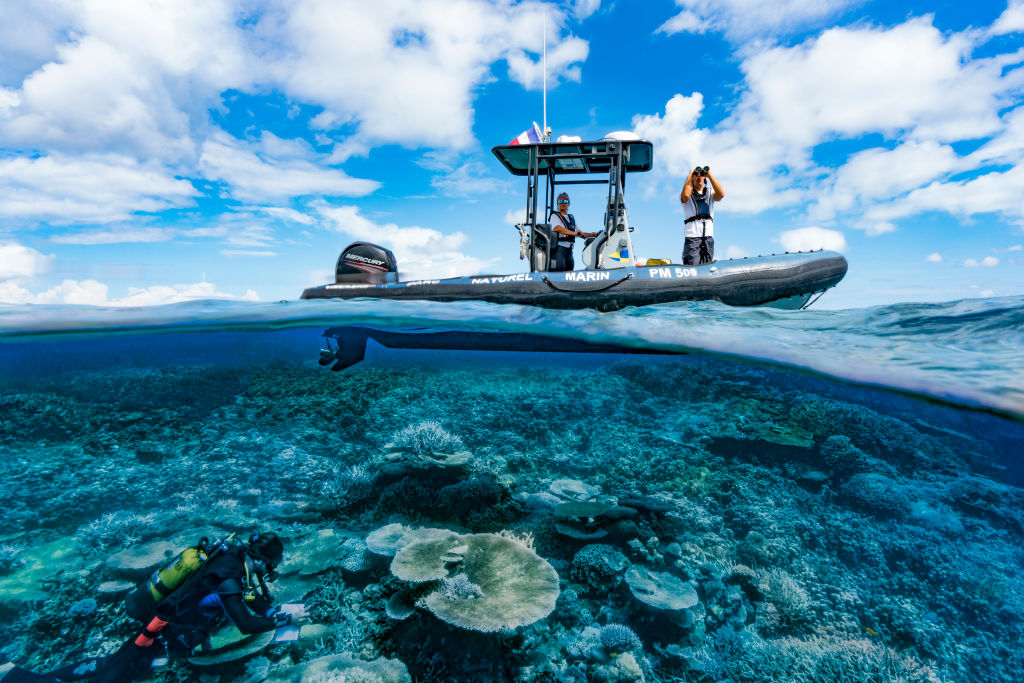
682, 492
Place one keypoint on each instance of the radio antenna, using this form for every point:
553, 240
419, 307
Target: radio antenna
544, 77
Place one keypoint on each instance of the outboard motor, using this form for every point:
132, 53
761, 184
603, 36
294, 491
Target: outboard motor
366, 263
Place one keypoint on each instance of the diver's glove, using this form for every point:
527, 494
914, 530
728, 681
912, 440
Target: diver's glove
282, 619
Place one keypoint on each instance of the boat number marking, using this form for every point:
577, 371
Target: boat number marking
672, 273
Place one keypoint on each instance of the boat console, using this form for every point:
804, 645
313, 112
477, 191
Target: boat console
548, 166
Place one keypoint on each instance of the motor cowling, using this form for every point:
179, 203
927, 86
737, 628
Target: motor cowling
366, 262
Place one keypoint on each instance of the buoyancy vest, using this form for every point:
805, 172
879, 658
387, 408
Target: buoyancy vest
699, 214
569, 222
143, 601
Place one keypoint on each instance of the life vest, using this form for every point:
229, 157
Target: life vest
702, 211
569, 222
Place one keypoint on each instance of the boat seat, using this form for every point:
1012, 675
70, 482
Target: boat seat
545, 242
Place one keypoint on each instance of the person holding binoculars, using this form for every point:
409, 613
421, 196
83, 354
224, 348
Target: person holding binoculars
698, 211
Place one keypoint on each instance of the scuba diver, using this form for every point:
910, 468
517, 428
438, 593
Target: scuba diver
232, 583
181, 604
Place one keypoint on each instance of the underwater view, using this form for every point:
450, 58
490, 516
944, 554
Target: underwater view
684, 492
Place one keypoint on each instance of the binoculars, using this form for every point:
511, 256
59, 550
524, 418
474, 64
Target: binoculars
701, 170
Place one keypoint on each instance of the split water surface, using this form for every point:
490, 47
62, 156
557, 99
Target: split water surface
773, 495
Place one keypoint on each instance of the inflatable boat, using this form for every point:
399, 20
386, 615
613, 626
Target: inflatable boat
781, 280
611, 278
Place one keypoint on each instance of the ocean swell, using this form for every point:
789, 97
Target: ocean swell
967, 352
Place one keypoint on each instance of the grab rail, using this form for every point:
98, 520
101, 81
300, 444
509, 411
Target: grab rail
553, 286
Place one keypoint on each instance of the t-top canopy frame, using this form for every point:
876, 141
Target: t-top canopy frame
576, 157
612, 158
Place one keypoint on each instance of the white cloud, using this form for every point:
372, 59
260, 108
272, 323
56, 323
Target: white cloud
238, 229
934, 257
1006, 147
421, 252
466, 179
13, 293
115, 236
209, 231
678, 140
274, 169
247, 235
131, 78
1011, 20
848, 82
68, 292
1016, 247
684, 22
30, 30
290, 215
811, 238
140, 78
875, 228
246, 252
513, 216
742, 19
95, 293
987, 262
8, 100
19, 261
845, 84
562, 59
991, 192
582, 9
131, 86
406, 72
91, 189
878, 174
733, 251
744, 169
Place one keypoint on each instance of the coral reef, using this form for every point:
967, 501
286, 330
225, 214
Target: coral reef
488, 582
619, 638
598, 566
760, 525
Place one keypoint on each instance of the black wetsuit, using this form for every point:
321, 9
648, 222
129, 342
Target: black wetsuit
221, 588
129, 663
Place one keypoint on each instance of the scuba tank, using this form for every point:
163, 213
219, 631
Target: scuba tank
142, 601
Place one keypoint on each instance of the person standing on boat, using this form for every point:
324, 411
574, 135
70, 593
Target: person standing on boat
699, 210
564, 224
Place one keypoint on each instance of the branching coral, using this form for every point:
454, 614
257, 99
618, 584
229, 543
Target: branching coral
348, 486
425, 438
620, 638
789, 598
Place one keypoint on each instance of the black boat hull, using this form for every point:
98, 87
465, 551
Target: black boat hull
787, 280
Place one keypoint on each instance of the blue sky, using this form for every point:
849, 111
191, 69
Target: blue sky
164, 150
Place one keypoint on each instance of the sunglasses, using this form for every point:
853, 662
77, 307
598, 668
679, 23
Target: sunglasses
563, 201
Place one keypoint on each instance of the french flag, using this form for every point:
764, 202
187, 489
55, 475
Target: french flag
530, 136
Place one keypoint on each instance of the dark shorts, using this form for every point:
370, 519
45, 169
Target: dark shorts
562, 259
691, 250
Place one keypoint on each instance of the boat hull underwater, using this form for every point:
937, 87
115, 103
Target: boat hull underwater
349, 343
787, 280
